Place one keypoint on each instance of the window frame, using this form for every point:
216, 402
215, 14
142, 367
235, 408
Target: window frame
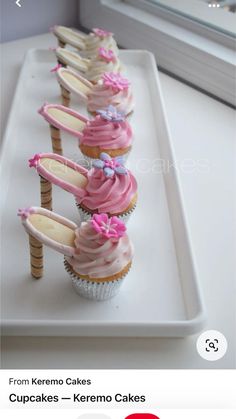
188, 50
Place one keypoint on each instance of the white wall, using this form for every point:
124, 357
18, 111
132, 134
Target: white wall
35, 17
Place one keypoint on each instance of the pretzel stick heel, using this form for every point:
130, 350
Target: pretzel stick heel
61, 44
46, 193
56, 140
65, 94
36, 257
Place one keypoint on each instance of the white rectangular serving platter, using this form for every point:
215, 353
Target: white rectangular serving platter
160, 295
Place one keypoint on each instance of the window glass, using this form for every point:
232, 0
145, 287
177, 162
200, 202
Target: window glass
216, 14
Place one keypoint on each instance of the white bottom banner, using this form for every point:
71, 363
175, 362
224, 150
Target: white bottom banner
104, 391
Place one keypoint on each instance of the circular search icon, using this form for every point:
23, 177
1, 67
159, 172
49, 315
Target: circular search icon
212, 345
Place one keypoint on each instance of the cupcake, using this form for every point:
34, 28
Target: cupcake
98, 254
108, 132
108, 187
102, 258
111, 188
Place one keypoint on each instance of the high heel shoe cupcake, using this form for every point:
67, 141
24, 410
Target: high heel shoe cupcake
108, 187
108, 132
98, 253
112, 89
87, 44
93, 69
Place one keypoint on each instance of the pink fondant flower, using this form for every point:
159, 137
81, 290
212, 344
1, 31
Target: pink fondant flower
25, 212
101, 32
52, 48
108, 227
54, 69
115, 81
34, 161
107, 54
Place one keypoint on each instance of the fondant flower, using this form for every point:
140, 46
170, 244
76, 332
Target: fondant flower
115, 81
25, 212
54, 69
111, 114
34, 161
108, 227
110, 166
101, 32
52, 48
107, 54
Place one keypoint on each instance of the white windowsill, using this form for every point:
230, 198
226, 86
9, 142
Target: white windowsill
198, 59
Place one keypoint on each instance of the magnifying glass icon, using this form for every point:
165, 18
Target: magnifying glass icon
211, 345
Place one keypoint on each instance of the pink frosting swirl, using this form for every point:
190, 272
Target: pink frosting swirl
108, 194
98, 257
107, 134
102, 96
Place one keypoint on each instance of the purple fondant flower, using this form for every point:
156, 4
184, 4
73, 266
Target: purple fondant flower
110, 166
108, 227
25, 212
34, 161
107, 54
101, 32
115, 81
111, 114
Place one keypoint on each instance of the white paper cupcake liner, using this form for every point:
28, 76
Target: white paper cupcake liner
97, 291
85, 215
89, 160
